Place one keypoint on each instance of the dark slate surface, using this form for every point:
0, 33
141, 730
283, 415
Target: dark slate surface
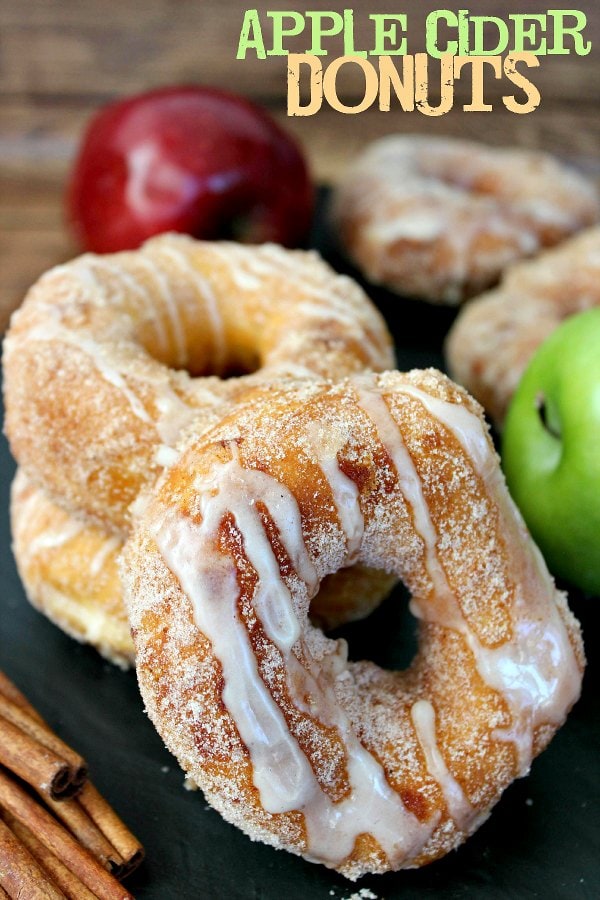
542, 840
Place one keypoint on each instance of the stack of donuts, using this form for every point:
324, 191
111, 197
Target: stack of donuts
217, 461
104, 371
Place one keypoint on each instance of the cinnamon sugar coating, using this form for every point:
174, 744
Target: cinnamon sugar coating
361, 769
68, 567
110, 357
108, 362
495, 336
442, 218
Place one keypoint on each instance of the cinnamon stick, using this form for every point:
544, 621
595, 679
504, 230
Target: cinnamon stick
20, 875
57, 839
93, 822
88, 833
31, 761
68, 883
67, 769
12, 693
103, 815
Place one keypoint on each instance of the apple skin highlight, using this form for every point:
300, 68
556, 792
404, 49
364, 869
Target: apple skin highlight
551, 450
191, 159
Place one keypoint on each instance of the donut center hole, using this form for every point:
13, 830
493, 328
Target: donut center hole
387, 637
234, 366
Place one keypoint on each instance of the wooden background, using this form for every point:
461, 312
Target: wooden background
61, 59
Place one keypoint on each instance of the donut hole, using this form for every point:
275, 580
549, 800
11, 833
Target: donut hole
387, 636
237, 371
237, 367
239, 361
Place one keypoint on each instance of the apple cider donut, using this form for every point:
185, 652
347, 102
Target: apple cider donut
495, 336
441, 218
68, 567
69, 571
105, 361
346, 764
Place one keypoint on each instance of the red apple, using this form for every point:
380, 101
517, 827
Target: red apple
193, 159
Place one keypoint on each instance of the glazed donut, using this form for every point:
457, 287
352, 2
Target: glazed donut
441, 219
100, 359
359, 768
495, 336
68, 567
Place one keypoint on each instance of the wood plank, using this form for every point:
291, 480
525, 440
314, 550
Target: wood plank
95, 47
61, 61
34, 166
45, 137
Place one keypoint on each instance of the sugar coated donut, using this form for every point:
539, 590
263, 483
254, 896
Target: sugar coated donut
495, 336
95, 407
101, 357
347, 764
68, 567
69, 571
442, 218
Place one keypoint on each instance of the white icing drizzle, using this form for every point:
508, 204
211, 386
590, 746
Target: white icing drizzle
536, 671
317, 310
95, 351
174, 413
329, 303
109, 545
422, 714
402, 189
466, 427
172, 308
33, 515
51, 538
133, 287
423, 226
83, 268
372, 403
281, 771
28, 511
346, 499
209, 299
242, 278
345, 492
151, 306
174, 416
336, 305
165, 456
284, 369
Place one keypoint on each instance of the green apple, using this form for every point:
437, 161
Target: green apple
551, 449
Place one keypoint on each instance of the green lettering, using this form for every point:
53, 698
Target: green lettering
349, 49
526, 33
581, 47
479, 44
279, 32
382, 33
431, 32
251, 24
463, 32
319, 32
